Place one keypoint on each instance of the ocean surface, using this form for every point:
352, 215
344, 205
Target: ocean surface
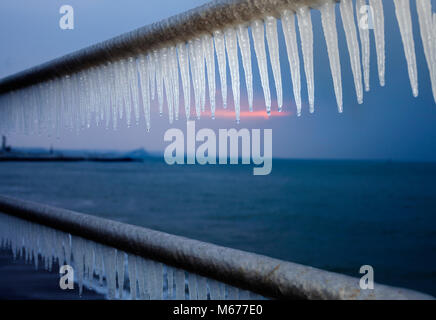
335, 215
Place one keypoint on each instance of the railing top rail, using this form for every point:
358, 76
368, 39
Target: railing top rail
204, 19
267, 276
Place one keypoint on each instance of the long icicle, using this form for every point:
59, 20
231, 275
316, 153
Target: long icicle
379, 34
244, 45
232, 53
195, 76
220, 48
273, 48
174, 68
426, 27
151, 61
186, 81
306, 35
145, 87
331, 37
167, 79
361, 8
133, 83
159, 79
258, 32
209, 54
434, 55
288, 25
123, 76
347, 14
199, 52
402, 11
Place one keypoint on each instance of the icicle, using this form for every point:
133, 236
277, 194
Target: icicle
141, 278
222, 65
170, 279
99, 263
101, 98
159, 279
109, 256
201, 288
145, 87
78, 255
273, 48
347, 14
151, 63
195, 76
67, 248
232, 53
199, 53
402, 11
364, 41
434, 51
428, 38
167, 79
192, 285
306, 35
152, 277
434, 57
209, 54
244, 45
132, 72
159, 79
288, 25
379, 34
118, 106
89, 259
174, 68
132, 275
186, 81
331, 37
244, 294
257, 30
120, 272
180, 284
116, 100
214, 289
123, 78
232, 292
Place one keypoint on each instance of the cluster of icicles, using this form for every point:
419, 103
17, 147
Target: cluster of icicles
125, 88
106, 270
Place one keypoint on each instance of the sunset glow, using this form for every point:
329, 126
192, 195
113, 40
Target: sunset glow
228, 113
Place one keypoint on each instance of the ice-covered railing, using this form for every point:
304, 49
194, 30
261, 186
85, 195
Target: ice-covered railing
106, 270
119, 79
157, 265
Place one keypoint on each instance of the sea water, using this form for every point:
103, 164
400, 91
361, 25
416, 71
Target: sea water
335, 215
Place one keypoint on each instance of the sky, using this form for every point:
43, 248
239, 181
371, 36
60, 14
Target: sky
390, 125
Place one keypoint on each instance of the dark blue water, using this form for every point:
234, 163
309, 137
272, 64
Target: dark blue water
336, 215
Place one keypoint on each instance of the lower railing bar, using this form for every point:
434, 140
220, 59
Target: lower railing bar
266, 276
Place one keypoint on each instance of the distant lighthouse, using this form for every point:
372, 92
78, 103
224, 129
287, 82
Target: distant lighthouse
5, 148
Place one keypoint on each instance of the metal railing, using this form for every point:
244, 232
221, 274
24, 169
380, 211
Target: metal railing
182, 27
257, 273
